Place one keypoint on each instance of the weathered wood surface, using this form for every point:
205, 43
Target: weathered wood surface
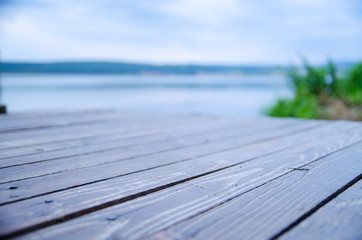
341, 218
104, 174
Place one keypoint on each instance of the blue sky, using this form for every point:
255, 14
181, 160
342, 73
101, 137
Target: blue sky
181, 31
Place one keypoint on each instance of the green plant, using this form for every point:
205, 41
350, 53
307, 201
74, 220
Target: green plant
320, 93
352, 87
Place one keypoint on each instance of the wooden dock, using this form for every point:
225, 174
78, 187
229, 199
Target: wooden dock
110, 175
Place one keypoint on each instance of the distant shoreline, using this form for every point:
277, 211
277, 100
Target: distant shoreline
132, 68
142, 69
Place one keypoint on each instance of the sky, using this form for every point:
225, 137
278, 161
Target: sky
181, 31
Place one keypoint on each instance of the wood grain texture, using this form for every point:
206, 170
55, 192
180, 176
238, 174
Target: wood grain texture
35, 136
20, 116
236, 203
221, 184
339, 219
109, 175
115, 152
105, 135
232, 147
147, 134
265, 211
56, 121
84, 118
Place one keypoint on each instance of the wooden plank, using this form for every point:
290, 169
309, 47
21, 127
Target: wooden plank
267, 210
67, 129
46, 123
66, 116
213, 138
34, 137
272, 201
341, 218
220, 182
192, 137
8, 125
110, 132
151, 133
143, 131
41, 148
37, 136
234, 150
30, 123
49, 113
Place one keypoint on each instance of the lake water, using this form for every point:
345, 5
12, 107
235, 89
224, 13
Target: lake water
244, 95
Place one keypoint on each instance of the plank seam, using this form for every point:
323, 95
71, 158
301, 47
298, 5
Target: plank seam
317, 207
113, 148
143, 170
172, 149
82, 138
64, 140
271, 180
23, 129
41, 114
106, 205
83, 212
155, 132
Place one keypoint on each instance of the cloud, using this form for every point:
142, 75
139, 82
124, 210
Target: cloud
181, 31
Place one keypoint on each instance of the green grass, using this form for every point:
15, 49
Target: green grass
320, 93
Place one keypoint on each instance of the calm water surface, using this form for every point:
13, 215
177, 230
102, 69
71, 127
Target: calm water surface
244, 95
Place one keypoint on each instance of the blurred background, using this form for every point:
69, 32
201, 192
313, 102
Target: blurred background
227, 57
